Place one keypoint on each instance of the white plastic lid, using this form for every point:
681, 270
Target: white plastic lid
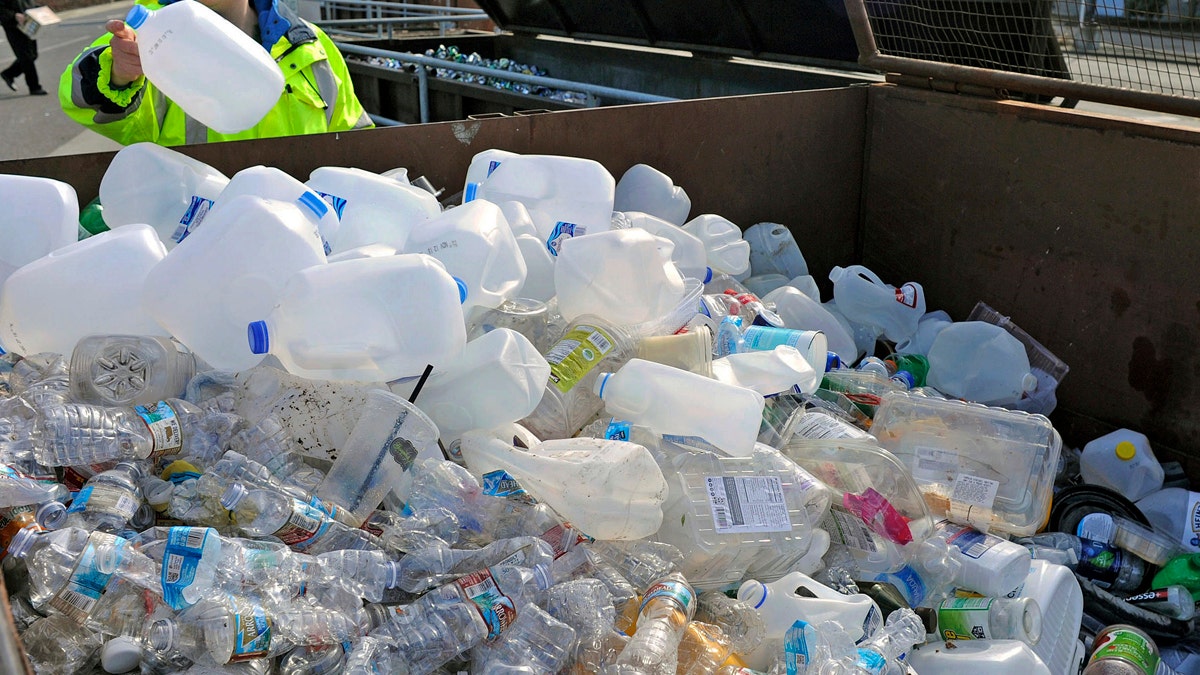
1029, 383
121, 654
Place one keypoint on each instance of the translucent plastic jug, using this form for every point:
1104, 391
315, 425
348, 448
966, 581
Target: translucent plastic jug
689, 254
728, 253
476, 245
271, 183
624, 276
607, 489
768, 372
801, 312
539, 263
863, 297
980, 657
231, 273
1057, 592
682, 404
761, 284
1123, 461
927, 331
89, 287
646, 189
207, 65
980, 362
40, 215
499, 378
373, 209
161, 187
1174, 511
482, 166
566, 196
773, 250
331, 322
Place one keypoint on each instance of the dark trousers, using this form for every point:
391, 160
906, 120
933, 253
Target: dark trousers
25, 50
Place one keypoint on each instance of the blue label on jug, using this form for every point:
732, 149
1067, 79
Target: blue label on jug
617, 431
492, 166
181, 558
500, 483
795, 649
338, 204
561, 232
196, 210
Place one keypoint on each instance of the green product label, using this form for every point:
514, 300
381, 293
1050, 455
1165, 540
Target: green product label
1128, 646
965, 619
577, 354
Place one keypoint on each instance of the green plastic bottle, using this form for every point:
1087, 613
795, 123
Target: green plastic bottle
915, 364
91, 218
1183, 571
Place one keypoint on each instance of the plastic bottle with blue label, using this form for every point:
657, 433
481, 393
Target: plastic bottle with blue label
108, 500
79, 433
223, 630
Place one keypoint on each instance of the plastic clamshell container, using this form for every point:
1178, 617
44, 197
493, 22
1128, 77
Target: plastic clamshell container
990, 468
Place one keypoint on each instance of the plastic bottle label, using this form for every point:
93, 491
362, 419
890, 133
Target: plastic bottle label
1150, 597
108, 499
496, 608
253, 635
305, 524
500, 483
934, 463
196, 210
743, 504
907, 295
849, 530
1191, 534
561, 232
181, 557
970, 541
12, 521
1100, 562
1126, 645
576, 354
676, 591
338, 204
965, 619
908, 582
795, 649
617, 431
82, 591
819, 426
164, 428
974, 491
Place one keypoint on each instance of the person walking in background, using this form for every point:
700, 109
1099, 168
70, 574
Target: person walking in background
12, 16
105, 89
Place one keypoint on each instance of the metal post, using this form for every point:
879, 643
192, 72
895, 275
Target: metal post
423, 92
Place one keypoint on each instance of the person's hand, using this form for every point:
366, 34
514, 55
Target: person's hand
20, 17
127, 64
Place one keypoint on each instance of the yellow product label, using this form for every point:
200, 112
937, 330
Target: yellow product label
576, 354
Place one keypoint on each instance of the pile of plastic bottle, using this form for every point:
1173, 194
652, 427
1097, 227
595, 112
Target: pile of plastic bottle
498, 81
555, 423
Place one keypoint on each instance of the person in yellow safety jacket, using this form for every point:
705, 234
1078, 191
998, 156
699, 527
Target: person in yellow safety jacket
105, 90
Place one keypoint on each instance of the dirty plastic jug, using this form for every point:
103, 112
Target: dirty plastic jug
476, 245
208, 66
231, 273
728, 253
271, 183
331, 322
624, 276
373, 209
980, 362
1057, 592
1123, 461
689, 254
1176, 512
646, 189
611, 490
566, 196
801, 312
89, 287
864, 298
773, 250
161, 187
40, 215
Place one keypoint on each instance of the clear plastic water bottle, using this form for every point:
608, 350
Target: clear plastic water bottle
109, 499
56, 644
738, 619
79, 433
1106, 566
420, 570
423, 528
535, 642
128, 370
300, 525
367, 573
230, 629
426, 637
269, 443
587, 606
667, 606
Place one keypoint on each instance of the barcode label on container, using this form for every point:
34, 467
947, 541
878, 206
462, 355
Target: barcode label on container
974, 490
197, 208
82, 591
181, 559
849, 530
747, 504
820, 426
576, 354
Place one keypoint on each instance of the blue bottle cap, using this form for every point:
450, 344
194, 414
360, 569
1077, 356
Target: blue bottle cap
707, 274
314, 203
832, 361
256, 333
462, 290
137, 16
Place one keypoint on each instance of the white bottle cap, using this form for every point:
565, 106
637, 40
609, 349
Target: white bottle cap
121, 654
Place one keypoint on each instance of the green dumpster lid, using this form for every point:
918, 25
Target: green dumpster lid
795, 31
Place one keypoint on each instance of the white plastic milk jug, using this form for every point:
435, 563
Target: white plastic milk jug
1121, 460
373, 209
208, 66
728, 253
332, 322
1176, 512
161, 187
863, 298
980, 362
40, 215
539, 263
800, 312
689, 254
271, 183
90, 287
646, 189
231, 273
623, 276
773, 250
768, 371
482, 166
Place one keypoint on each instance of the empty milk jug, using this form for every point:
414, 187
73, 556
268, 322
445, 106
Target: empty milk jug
773, 250
231, 273
86, 288
482, 166
1176, 512
271, 183
1123, 461
689, 254
566, 196
980, 362
476, 245
646, 189
728, 253
863, 298
800, 312
677, 402
216, 72
769, 371
163, 188
539, 263
624, 276
332, 322
40, 215
373, 209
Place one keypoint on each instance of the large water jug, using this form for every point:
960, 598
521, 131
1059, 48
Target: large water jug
539, 263
373, 209
208, 66
271, 183
1176, 512
331, 322
40, 215
499, 378
689, 254
89, 287
646, 189
476, 245
482, 166
979, 657
163, 188
566, 196
1123, 461
864, 298
679, 403
773, 250
728, 253
231, 273
801, 312
980, 362
623, 276
927, 331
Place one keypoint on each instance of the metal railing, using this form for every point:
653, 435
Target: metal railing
378, 18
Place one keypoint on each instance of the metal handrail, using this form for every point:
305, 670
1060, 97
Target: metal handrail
402, 19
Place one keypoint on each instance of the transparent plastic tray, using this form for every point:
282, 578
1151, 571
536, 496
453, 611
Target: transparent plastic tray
990, 468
